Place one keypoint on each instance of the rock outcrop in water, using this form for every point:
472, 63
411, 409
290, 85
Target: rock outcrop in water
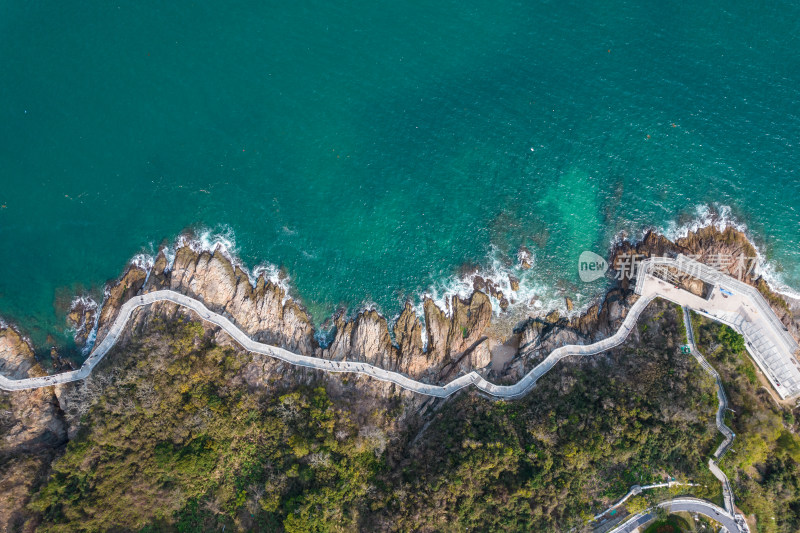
81, 318
263, 311
540, 336
435, 349
728, 250
34, 414
16, 356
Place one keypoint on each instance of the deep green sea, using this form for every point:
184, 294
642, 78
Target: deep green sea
372, 149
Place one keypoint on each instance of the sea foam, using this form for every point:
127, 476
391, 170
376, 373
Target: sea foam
721, 217
221, 240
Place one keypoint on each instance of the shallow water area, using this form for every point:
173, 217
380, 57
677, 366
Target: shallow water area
365, 153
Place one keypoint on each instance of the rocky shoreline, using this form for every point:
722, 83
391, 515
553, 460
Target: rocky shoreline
469, 337
435, 349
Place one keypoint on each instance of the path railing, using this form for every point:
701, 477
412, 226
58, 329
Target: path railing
472, 378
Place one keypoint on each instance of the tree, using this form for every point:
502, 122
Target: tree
637, 504
732, 341
662, 513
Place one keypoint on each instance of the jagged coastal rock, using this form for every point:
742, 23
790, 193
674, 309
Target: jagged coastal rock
436, 349
36, 420
32, 428
727, 250
81, 318
265, 313
16, 356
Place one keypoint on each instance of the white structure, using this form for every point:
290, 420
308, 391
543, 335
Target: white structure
771, 346
738, 305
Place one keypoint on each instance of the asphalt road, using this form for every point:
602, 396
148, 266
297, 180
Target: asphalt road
678, 505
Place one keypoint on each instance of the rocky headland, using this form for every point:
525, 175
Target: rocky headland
436, 348
32, 428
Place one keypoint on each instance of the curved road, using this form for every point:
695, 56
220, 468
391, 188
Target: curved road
691, 505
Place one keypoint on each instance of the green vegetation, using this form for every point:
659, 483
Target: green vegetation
671, 524
682, 334
637, 504
175, 445
5, 401
733, 342
184, 441
587, 433
763, 464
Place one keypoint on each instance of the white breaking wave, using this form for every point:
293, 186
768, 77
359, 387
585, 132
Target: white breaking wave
88, 303
221, 241
532, 297
720, 217
775, 280
143, 261
208, 240
716, 215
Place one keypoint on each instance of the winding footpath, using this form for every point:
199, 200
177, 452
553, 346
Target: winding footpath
648, 287
742, 307
731, 521
473, 378
727, 433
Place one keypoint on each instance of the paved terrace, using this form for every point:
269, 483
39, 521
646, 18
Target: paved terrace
768, 341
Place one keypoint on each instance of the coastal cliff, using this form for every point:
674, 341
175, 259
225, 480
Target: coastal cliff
32, 429
434, 348
165, 352
263, 310
728, 250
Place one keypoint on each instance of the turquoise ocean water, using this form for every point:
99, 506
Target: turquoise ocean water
374, 148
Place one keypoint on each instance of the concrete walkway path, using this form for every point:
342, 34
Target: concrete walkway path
648, 286
473, 378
